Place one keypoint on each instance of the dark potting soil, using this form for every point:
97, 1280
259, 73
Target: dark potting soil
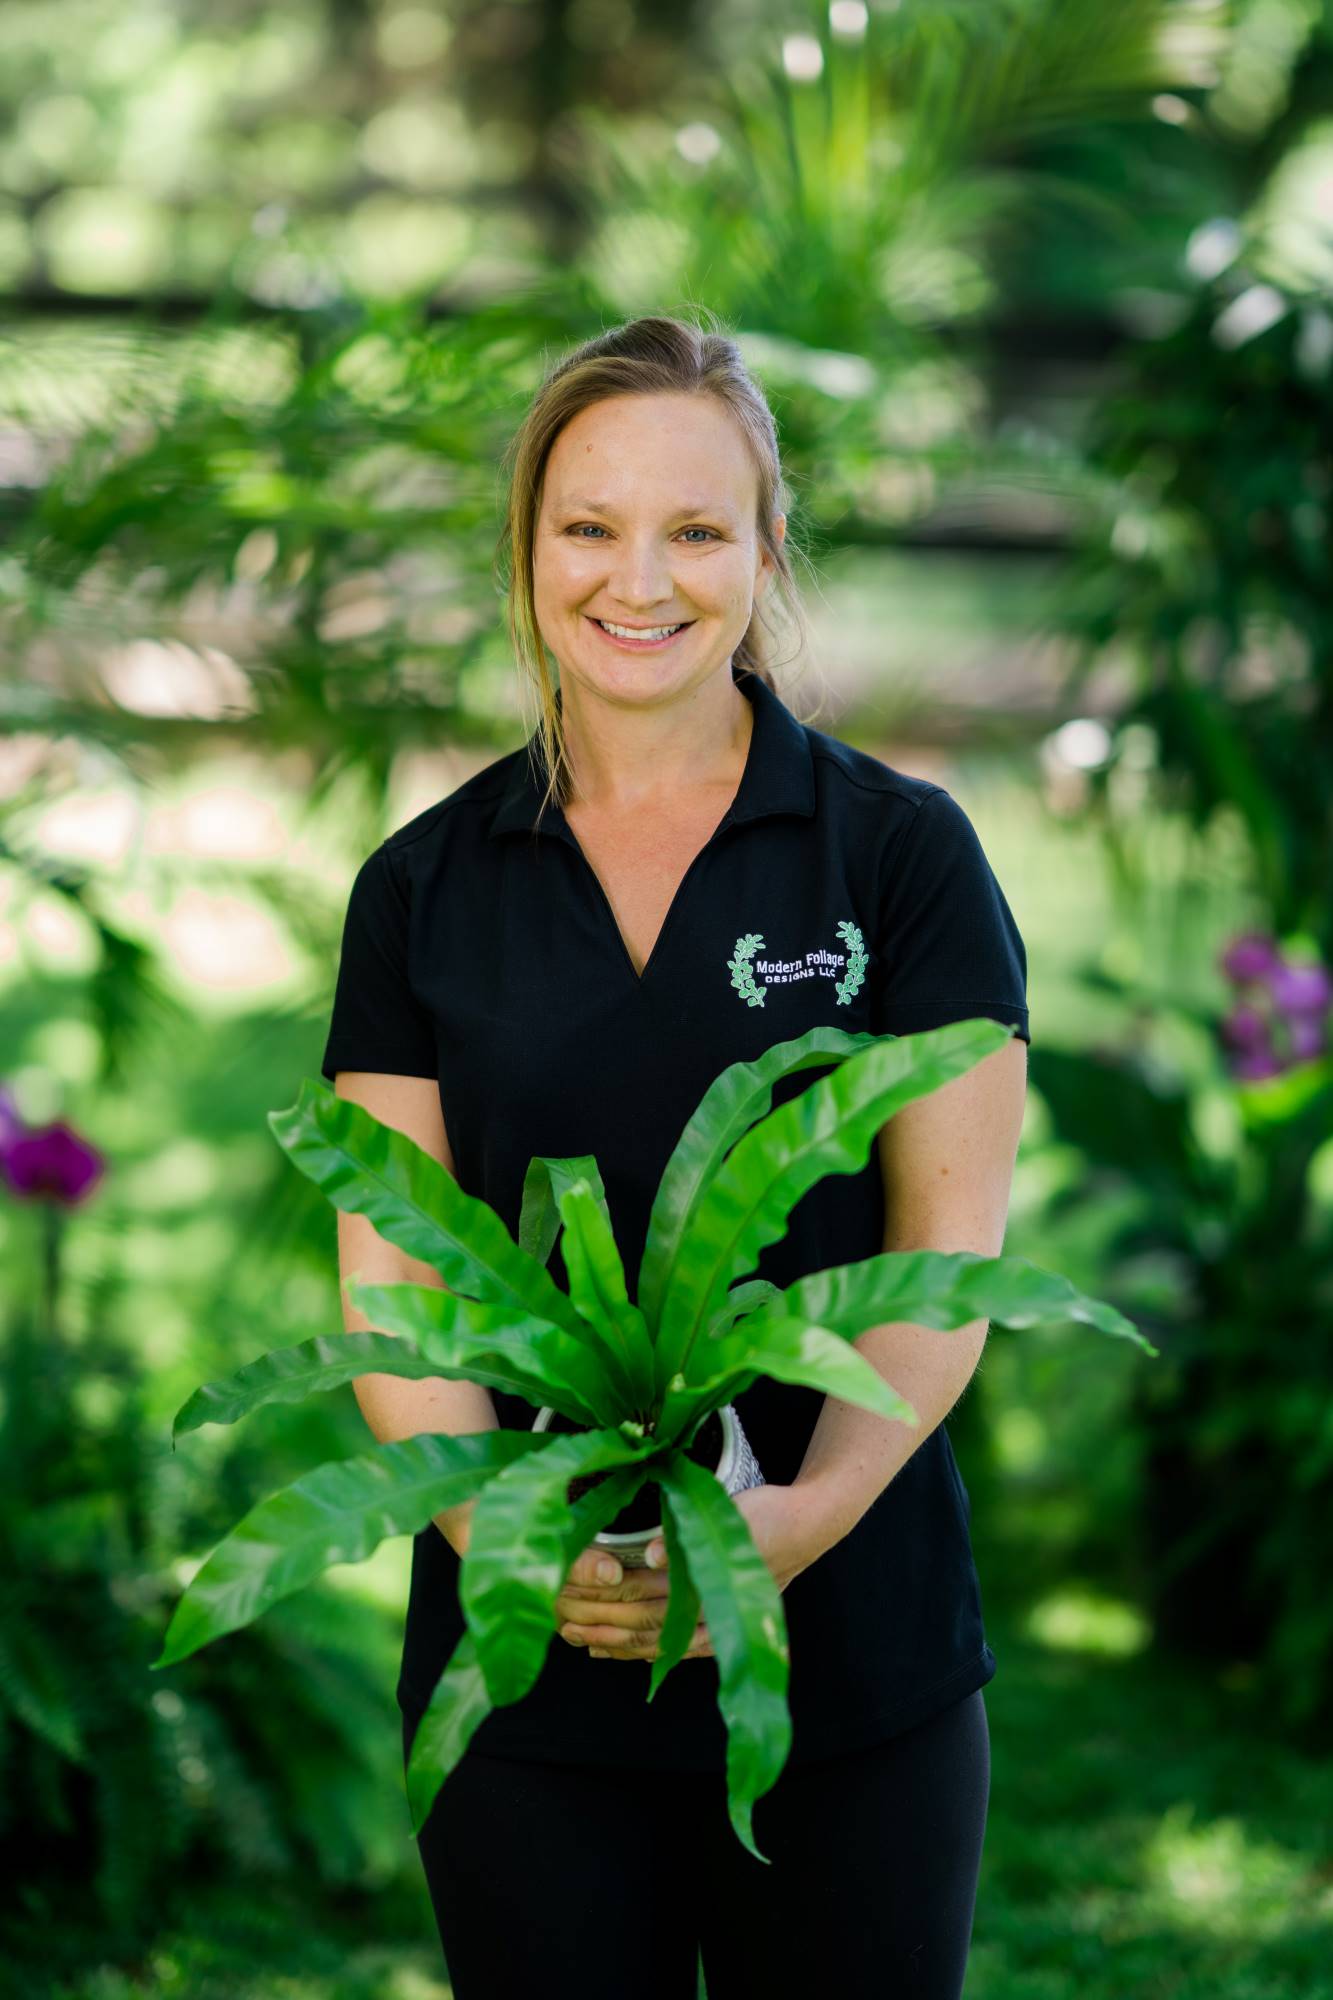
645, 1509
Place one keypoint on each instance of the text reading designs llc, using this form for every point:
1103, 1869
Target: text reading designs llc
815, 964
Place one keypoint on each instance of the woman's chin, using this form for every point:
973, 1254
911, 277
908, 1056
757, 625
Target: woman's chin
643, 677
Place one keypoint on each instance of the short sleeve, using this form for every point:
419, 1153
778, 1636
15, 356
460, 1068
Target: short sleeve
949, 948
377, 1021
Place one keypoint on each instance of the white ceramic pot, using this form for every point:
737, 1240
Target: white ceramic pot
737, 1468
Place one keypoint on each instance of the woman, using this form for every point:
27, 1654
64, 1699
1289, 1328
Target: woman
559, 958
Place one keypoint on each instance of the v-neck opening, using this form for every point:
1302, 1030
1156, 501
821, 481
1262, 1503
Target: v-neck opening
681, 886
671, 908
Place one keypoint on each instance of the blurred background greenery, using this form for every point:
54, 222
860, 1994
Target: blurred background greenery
1041, 295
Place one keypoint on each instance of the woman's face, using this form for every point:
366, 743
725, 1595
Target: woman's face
647, 519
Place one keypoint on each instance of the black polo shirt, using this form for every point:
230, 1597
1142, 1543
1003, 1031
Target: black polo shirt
480, 949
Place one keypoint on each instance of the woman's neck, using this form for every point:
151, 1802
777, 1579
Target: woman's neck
626, 757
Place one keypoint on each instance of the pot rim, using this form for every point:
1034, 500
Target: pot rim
725, 1470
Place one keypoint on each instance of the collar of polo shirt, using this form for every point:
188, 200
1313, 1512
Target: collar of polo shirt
778, 777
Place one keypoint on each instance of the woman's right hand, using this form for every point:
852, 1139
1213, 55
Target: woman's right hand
627, 1615
595, 1579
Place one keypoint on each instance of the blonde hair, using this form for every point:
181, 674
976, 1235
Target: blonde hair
650, 356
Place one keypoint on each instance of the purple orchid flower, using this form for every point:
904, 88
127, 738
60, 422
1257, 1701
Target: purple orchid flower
52, 1164
1253, 955
1286, 1018
1246, 1029
1255, 1064
1309, 1036
1302, 989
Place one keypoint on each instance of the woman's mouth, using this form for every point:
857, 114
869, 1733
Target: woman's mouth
643, 639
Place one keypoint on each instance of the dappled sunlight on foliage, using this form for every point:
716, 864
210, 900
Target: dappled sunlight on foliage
1040, 293
1077, 1620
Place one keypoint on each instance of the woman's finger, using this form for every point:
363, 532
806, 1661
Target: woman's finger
614, 1620
586, 1605
583, 1594
634, 1638
595, 1572
699, 1648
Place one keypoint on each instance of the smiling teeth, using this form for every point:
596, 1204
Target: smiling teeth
650, 632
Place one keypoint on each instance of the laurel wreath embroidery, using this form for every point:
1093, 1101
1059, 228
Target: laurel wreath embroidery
857, 960
742, 971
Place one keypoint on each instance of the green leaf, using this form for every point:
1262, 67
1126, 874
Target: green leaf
39, 1685
366, 1168
597, 1288
338, 1513
685, 1405
289, 1373
678, 1404
593, 1510
513, 1570
742, 1299
748, 1628
683, 1604
943, 1289
458, 1706
499, 1348
543, 1184
460, 1700
793, 1350
727, 1109
828, 1129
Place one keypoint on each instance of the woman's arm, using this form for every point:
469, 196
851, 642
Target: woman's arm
948, 1163
393, 1406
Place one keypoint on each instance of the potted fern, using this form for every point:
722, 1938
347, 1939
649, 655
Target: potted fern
634, 1384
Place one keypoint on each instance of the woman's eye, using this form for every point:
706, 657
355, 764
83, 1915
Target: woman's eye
579, 526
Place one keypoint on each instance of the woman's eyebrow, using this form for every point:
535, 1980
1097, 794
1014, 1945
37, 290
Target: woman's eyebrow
579, 502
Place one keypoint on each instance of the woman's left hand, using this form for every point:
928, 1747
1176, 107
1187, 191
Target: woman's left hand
779, 1521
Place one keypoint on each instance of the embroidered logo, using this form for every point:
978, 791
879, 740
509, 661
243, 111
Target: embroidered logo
742, 972
847, 967
857, 960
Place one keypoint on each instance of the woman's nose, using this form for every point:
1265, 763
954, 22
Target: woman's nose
640, 581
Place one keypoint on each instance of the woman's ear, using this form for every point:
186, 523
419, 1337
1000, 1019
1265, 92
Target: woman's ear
764, 573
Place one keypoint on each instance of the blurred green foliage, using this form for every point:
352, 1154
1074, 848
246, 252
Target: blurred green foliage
1209, 579
141, 1787
1035, 279
1211, 576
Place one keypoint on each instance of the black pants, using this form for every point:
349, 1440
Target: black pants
558, 1881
